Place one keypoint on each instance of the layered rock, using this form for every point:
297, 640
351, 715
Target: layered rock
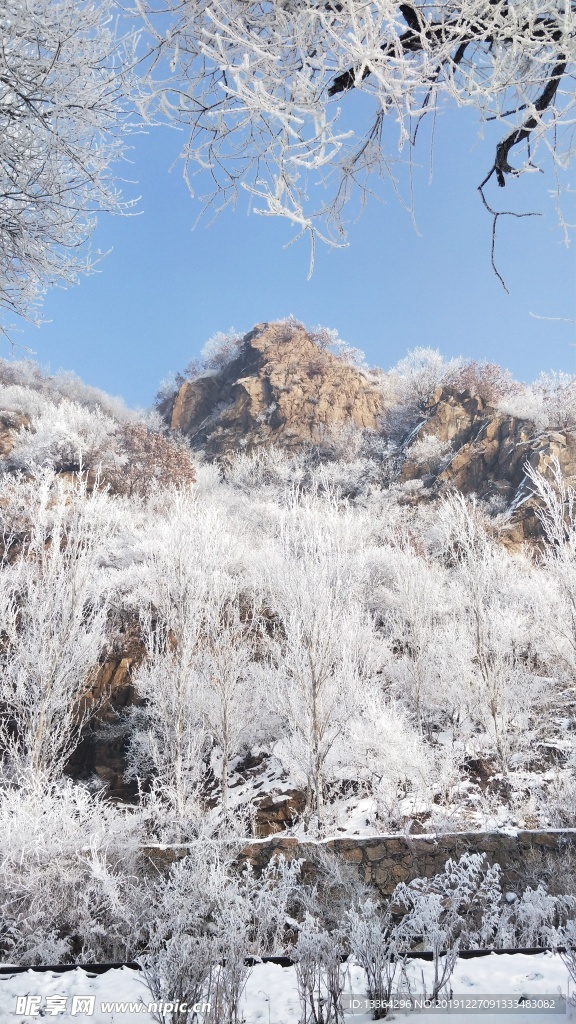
280, 389
488, 456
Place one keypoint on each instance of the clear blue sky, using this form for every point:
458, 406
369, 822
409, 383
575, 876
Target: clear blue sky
164, 289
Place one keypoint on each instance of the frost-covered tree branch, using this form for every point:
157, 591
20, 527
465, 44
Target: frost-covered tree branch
265, 90
64, 79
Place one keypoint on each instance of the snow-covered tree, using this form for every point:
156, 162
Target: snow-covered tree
557, 514
64, 79
68, 865
54, 598
501, 686
322, 654
230, 697
194, 682
418, 374
414, 608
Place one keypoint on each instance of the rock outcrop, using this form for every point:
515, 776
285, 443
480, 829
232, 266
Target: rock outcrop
10, 424
488, 454
280, 389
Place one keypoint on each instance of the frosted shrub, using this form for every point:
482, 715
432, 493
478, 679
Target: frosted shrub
429, 451
373, 945
457, 908
67, 867
204, 920
487, 380
528, 404
568, 940
64, 435
266, 467
22, 372
220, 349
23, 401
319, 973
388, 757
416, 377
71, 388
168, 387
146, 457
26, 374
550, 402
558, 392
182, 944
534, 920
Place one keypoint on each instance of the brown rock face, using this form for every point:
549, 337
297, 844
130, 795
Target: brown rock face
101, 752
490, 454
281, 388
10, 424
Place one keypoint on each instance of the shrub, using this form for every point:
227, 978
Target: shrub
67, 862
487, 380
416, 377
220, 350
145, 457
64, 435
550, 403
61, 386
429, 452
558, 393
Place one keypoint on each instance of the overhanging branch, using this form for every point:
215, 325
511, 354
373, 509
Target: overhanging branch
422, 35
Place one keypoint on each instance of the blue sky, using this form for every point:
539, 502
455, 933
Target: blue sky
165, 288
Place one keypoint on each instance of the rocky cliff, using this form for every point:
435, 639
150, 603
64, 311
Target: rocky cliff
282, 388
487, 454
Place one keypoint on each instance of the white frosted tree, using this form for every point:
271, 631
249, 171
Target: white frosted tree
54, 604
557, 514
168, 744
64, 82
195, 682
230, 696
501, 687
418, 374
322, 654
417, 611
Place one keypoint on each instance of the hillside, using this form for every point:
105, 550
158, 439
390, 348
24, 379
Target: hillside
408, 491
302, 600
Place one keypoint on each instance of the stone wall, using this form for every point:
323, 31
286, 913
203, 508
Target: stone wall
525, 857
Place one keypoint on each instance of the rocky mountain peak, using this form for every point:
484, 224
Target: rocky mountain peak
282, 387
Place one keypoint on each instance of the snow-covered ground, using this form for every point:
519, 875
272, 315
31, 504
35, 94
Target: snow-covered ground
271, 995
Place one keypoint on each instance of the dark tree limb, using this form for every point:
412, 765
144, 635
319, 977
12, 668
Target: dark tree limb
495, 214
419, 32
501, 166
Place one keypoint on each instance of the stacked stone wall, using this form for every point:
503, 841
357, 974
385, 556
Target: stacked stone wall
525, 857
